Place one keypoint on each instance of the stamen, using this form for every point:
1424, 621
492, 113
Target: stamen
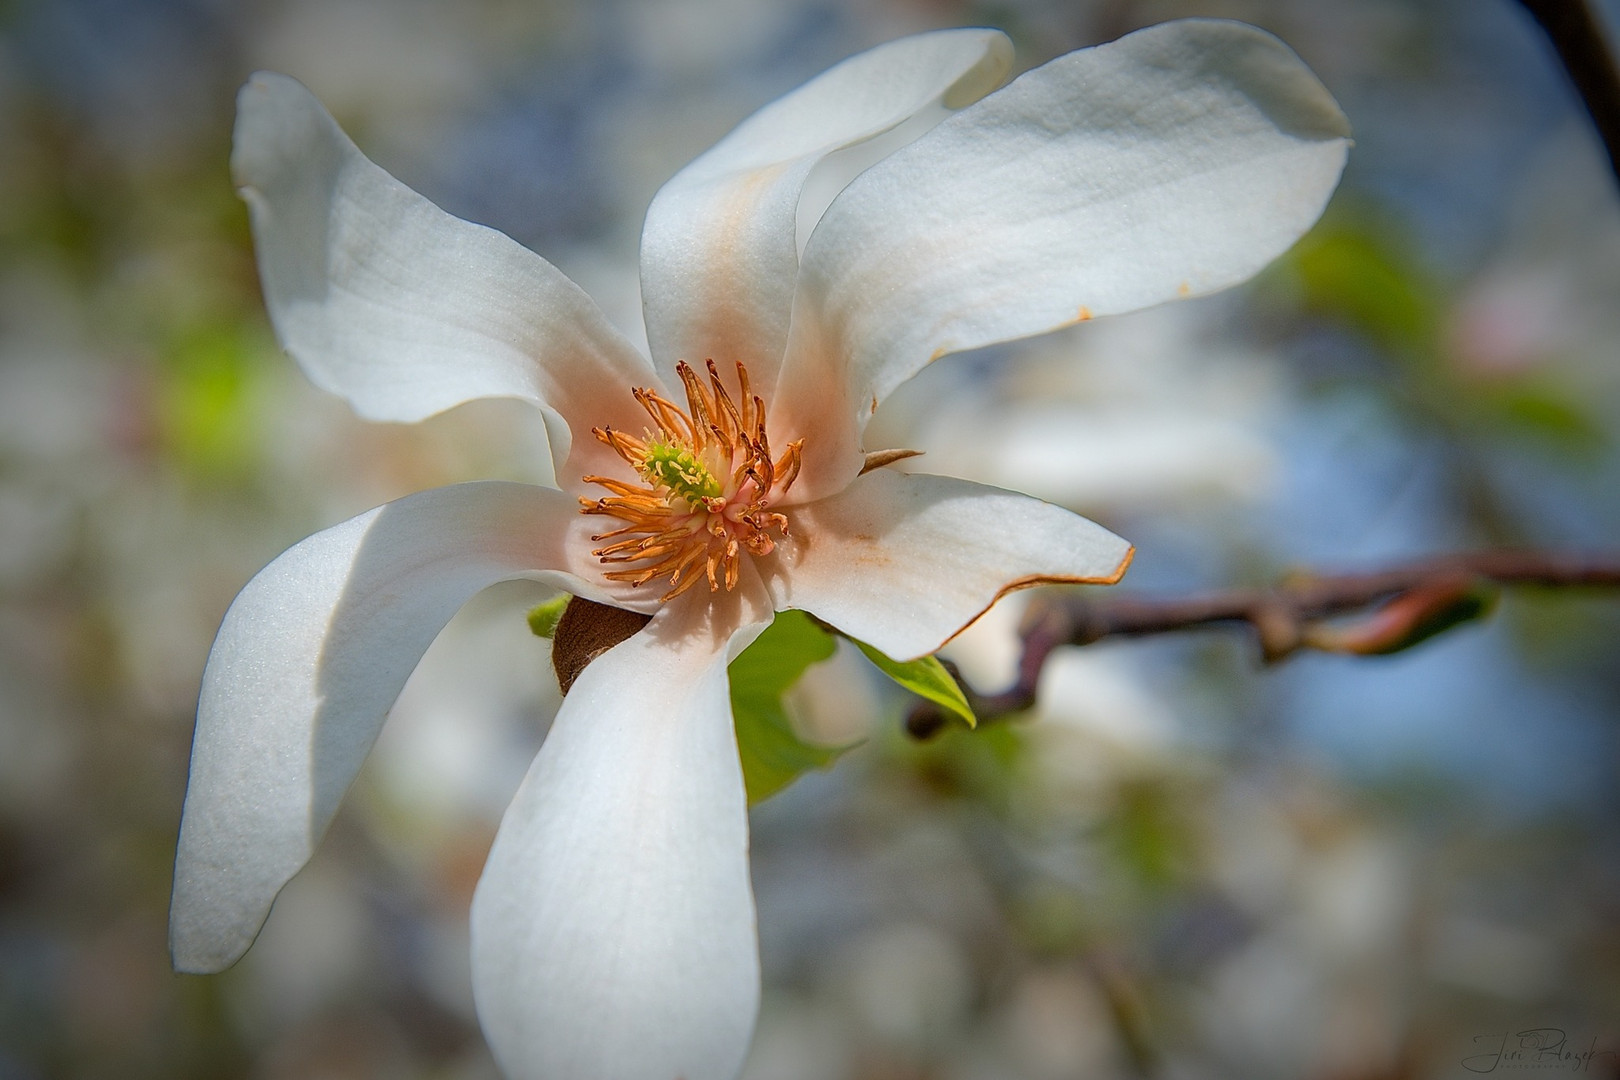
618, 487
732, 419
682, 587
748, 399
706, 478
793, 458
632, 450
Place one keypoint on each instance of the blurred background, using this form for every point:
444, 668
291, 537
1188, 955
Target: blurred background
1182, 865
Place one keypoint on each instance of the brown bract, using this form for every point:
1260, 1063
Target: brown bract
587, 630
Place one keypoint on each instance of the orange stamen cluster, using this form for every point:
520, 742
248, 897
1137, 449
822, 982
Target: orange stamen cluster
707, 478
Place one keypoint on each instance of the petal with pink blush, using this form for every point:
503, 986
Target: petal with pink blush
403, 310
903, 562
719, 253
1174, 162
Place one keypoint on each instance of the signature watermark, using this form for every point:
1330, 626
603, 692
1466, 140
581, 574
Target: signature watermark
1545, 1048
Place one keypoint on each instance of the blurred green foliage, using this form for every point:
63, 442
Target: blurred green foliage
209, 397
1361, 274
1358, 271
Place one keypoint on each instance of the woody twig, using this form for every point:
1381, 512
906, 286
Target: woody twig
1361, 614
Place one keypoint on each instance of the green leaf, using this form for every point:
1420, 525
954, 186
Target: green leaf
927, 678
543, 618
773, 756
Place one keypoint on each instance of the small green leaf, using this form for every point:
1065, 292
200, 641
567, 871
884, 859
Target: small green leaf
773, 756
927, 678
543, 618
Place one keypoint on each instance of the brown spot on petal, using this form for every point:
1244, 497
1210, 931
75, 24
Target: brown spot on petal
587, 630
1085, 314
1184, 289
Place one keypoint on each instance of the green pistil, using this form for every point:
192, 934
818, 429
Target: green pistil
679, 470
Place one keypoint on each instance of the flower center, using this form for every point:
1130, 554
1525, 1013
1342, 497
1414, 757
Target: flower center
707, 479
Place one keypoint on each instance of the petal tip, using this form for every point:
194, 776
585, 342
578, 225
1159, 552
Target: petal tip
274, 114
1119, 571
1276, 77
987, 74
202, 946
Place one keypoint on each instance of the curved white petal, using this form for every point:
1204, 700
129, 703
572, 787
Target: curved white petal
400, 308
309, 658
904, 562
1173, 162
718, 252
613, 928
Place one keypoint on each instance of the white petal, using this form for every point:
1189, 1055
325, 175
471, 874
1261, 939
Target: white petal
718, 253
308, 660
613, 929
1176, 161
400, 308
904, 562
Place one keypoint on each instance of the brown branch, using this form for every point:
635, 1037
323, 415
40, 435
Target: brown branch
1379, 612
1578, 36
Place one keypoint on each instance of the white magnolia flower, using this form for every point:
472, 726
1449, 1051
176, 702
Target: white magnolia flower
613, 929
